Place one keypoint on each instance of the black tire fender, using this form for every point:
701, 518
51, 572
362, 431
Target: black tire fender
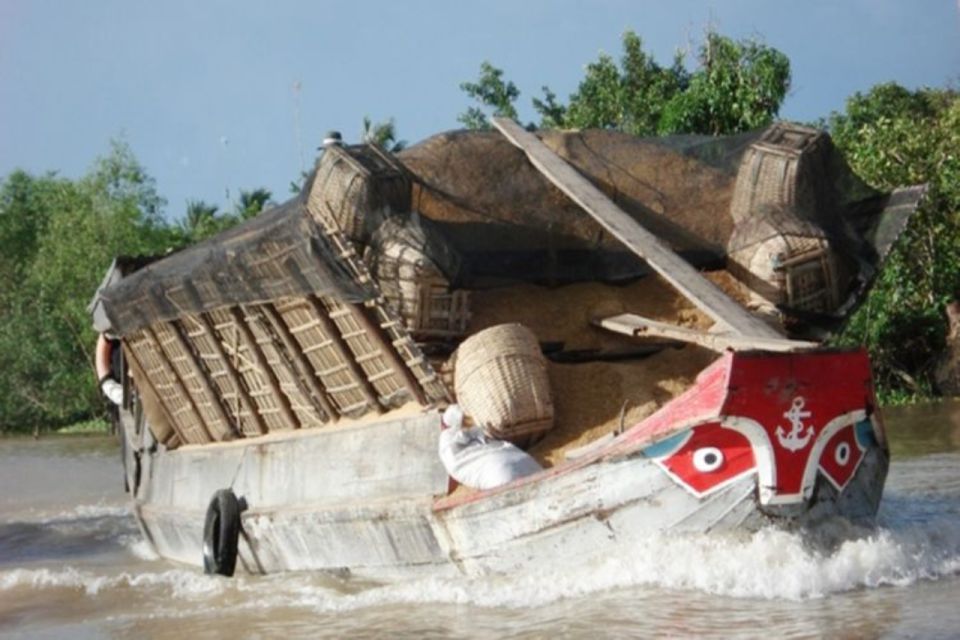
221, 534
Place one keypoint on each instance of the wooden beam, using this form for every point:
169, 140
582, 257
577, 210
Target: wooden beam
250, 342
232, 374
700, 291
304, 368
638, 326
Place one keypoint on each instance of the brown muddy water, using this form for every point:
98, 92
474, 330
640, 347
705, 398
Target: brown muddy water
73, 565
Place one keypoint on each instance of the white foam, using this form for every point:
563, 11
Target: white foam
139, 547
178, 583
769, 564
100, 509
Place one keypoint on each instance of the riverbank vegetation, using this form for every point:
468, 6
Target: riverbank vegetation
59, 235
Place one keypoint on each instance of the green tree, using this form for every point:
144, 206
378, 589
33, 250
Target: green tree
201, 220
738, 85
252, 202
491, 91
893, 137
73, 230
631, 97
383, 134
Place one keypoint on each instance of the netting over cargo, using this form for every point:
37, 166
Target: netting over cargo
340, 302
280, 253
715, 200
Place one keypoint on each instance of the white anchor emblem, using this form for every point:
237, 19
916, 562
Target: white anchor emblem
795, 440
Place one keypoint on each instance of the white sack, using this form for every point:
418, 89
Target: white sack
479, 462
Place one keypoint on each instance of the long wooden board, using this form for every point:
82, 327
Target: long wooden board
638, 326
700, 291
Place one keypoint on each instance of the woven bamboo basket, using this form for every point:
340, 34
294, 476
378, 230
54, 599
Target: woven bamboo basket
787, 262
773, 172
417, 290
356, 188
501, 382
779, 246
411, 264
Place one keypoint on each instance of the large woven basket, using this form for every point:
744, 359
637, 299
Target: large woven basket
501, 382
780, 246
356, 188
413, 267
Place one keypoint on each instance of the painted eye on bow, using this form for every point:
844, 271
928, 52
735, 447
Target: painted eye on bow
841, 456
707, 459
704, 459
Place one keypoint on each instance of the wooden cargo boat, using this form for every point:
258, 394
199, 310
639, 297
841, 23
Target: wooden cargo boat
284, 381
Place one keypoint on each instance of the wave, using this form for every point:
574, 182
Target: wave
770, 564
102, 509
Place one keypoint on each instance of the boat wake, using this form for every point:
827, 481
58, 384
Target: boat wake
769, 564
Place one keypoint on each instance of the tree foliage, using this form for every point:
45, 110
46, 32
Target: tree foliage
491, 91
383, 134
58, 238
737, 86
894, 137
64, 234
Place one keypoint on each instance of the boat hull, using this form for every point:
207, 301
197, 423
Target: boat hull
372, 499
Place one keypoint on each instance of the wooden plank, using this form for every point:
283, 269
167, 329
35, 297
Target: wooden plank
307, 373
703, 293
250, 342
638, 326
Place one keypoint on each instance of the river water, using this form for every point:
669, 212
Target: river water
73, 564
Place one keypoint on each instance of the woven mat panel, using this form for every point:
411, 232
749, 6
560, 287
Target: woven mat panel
501, 381
368, 352
391, 323
154, 412
186, 421
334, 374
204, 345
411, 354
189, 377
244, 363
307, 414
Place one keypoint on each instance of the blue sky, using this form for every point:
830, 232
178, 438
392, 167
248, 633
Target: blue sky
205, 91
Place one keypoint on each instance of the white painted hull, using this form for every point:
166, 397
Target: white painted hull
372, 509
